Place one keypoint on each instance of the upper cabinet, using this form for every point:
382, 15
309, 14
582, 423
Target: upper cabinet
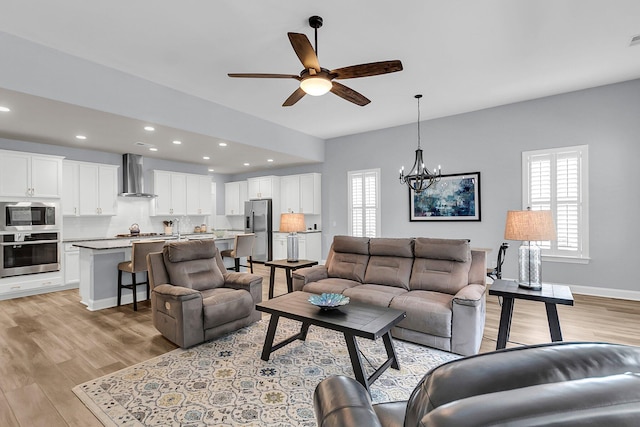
235, 194
301, 194
30, 175
181, 193
90, 189
264, 187
198, 195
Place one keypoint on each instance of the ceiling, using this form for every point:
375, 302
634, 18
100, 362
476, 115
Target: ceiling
462, 55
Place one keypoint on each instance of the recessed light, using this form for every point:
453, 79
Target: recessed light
177, 142
269, 160
149, 128
222, 144
4, 109
247, 164
153, 149
82, 137
211, 170
205, 157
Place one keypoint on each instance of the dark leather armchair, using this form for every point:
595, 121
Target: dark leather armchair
572, 384
193, 297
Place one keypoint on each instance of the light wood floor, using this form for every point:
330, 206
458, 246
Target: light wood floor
50, 343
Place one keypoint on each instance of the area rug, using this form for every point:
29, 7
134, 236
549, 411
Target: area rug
225, 383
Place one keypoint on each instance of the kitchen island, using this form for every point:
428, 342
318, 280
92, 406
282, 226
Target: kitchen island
99, 261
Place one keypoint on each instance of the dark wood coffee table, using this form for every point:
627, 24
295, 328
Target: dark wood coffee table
353, 320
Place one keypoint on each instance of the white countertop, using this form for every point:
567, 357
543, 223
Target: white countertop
122, 242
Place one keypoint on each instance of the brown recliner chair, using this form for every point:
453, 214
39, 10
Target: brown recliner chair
193, 297
568, 384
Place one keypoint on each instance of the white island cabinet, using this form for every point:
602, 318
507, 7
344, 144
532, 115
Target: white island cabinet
30, 175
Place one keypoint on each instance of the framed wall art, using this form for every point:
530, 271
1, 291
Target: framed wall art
455, 197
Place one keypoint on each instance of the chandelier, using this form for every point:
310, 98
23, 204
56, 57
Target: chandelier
420, 178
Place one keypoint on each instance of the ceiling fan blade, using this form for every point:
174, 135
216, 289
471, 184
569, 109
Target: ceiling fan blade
302, 46
367, 70
294, 97
349, 94
265, 76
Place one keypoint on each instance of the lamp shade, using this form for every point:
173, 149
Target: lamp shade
292, 222
529, 225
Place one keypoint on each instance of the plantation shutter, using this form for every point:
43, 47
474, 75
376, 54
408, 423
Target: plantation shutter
556, 180
363, 203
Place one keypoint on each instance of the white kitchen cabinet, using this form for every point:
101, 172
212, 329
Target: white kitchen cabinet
94, 191
30, 175
71, 264
235, 194
301, 194
171, 190
264, 187
312, 245
309, 246
279, 249
198, 194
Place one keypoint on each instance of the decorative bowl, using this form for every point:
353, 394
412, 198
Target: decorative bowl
328, 301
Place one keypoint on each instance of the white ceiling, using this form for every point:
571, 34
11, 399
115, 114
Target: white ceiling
463, 55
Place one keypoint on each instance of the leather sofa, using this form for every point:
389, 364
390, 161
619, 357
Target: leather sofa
193, 297
568, 384
439, 283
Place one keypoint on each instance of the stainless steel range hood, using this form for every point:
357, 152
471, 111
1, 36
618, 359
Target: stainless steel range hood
133, 177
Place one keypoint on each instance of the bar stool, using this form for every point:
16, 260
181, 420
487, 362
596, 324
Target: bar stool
242, 247
138, 264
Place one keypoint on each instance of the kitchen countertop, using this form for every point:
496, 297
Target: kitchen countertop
126, 242
229, 233
300, 232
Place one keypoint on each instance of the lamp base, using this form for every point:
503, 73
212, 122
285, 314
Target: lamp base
292, 247
530, 266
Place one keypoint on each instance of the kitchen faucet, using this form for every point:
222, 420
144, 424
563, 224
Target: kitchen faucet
177, 220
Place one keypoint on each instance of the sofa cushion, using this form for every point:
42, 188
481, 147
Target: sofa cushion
389, 270
348, 266
224, 305
352, 245
391, 247
448, 249
332, 285
379, 295
439, 275
193, 264
427, 312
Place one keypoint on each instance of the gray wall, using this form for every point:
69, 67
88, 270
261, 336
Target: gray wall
491, 141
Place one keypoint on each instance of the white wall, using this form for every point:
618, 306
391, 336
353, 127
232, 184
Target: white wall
491, 141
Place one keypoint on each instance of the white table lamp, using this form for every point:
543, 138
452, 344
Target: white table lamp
292, 223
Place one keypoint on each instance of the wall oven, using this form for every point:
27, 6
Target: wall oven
28, 253
29, 216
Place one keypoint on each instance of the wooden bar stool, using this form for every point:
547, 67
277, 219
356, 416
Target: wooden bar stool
242, 247
138, 264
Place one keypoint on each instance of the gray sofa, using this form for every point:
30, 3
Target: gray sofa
193, 297
568, 384
439, 283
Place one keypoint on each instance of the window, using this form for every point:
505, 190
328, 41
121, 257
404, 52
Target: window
364, 206
557, 180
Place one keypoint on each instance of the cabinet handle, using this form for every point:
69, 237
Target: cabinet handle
75, 211
16, 287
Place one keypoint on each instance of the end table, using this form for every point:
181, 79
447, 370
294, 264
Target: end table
288, 268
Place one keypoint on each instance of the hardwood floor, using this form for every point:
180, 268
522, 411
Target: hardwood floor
50, 343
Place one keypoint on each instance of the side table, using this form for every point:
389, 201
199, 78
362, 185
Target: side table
550, 294
288, 268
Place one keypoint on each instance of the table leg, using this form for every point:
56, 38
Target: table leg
272, 280
289, 279
505, 322
554, 322
356, 361
303, 331
268, 339
391, 351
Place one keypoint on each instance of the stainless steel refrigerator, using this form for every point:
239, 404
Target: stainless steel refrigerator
258, 220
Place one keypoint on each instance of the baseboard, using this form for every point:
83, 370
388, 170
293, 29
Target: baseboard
100, 304
602, 292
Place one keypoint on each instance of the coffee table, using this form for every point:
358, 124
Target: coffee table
353, 320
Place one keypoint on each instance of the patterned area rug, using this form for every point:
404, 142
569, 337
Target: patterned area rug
225, 383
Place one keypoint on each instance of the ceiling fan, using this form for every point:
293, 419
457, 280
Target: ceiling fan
315, 80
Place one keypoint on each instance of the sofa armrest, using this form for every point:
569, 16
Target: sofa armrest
467, 320
251, 283
340, 401
177, 293
306, 275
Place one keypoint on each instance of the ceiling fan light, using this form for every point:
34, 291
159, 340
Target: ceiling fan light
316, 86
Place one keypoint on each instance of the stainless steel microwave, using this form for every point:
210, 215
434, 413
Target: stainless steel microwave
29, 216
